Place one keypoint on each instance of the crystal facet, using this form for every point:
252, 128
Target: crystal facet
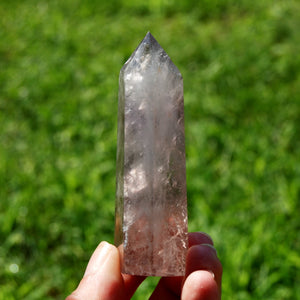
151, 205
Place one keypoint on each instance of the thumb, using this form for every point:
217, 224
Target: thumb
102, 278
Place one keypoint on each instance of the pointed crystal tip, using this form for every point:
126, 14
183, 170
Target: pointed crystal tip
149, 54
148, 35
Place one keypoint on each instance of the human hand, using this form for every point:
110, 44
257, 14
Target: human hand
103, 278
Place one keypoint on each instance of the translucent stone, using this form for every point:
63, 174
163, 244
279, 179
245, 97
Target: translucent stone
151, 205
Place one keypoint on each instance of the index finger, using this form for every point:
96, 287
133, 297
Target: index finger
198, 238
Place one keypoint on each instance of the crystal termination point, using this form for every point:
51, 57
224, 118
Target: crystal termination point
151, 204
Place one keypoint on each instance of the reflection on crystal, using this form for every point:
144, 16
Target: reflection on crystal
151, 215
136, 179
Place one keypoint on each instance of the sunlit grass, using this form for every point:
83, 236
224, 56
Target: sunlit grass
59, 65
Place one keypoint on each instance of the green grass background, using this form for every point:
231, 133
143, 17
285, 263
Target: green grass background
59, 67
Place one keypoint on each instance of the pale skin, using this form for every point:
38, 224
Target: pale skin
103, 279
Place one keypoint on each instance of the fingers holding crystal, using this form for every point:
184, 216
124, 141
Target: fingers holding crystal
204, 257
200, 281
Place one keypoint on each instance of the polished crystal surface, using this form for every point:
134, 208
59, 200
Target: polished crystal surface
151, 206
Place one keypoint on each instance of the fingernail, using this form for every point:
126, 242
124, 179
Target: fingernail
212, 273
98, 258
212, 247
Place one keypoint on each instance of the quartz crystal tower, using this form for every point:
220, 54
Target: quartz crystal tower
151, 205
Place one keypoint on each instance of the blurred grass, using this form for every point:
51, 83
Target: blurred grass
59, 65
